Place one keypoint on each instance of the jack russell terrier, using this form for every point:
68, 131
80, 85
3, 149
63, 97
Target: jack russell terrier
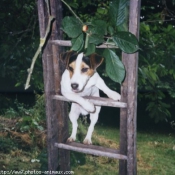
81, 79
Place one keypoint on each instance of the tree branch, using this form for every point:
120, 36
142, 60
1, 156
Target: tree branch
42, 42
72, 11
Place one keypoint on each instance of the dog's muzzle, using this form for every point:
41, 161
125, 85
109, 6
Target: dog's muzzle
74, 86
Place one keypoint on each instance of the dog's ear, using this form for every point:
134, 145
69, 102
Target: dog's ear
95, 60
64, 57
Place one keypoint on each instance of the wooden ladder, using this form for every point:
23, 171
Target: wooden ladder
56, 105
92, 149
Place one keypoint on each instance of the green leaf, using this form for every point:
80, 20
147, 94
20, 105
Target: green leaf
114, 67
25, 128
96, 39
40, 128
35, 122
102, 10
17, 84
97, 27
96, 31
90, 49
71, 26
117, 11
126, 41
77, 43
111, 30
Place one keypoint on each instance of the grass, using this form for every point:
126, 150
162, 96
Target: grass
155, 151
155, 154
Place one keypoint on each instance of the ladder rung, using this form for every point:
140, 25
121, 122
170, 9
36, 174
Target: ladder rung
92, 149
97, 101
69, 44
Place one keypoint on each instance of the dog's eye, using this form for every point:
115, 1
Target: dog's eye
71, 69
85, 69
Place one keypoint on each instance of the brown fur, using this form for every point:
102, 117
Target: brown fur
72, 65
95, 60
90, 72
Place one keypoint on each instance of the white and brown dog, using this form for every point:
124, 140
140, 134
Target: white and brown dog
81, 79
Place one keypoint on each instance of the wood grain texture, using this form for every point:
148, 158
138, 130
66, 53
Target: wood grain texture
67, 43
97, 101
92, 150
56, 111
129, 95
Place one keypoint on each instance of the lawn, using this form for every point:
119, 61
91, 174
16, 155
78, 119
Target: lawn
155, 151
155, 154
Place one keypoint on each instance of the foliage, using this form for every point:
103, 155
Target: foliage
85, 36
19, 39
7, 145
22, 137
157, 66
31, 118
113, 65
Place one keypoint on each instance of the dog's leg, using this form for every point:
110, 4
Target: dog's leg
88, 106
110, 93
93, 118
73, 115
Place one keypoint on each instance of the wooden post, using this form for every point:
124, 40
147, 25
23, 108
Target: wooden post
123, 121
129, 95
56, 111
134, 24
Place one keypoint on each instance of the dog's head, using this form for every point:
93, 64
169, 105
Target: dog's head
80, 67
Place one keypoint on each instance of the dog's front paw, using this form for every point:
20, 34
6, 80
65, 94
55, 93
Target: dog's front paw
87, 141
114, 95
71, 139
88, 106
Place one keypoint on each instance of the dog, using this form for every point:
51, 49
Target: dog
81, 79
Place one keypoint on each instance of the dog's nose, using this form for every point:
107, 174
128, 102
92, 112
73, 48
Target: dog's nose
74, 86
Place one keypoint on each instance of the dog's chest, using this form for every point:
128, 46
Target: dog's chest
89, 91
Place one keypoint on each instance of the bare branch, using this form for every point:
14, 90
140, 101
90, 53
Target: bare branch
42, 42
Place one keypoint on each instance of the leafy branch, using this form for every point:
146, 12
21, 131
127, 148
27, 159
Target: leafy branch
72, 11
86, 36
42, 42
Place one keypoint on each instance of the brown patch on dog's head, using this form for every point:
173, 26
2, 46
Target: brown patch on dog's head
95, 60
85, 69
88, 65
71, 68
68, 57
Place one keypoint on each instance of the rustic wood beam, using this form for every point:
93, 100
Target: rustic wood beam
92, 149
123, 121
129, 95
97, 101
56, 111
132, 69
68, 44
61, 128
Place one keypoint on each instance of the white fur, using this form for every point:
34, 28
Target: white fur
88, 86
